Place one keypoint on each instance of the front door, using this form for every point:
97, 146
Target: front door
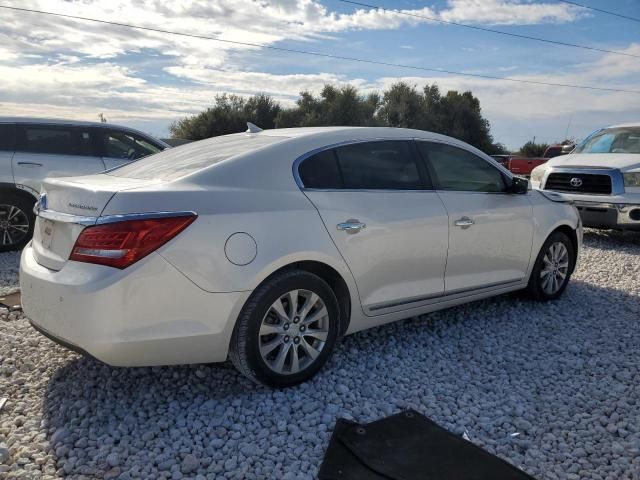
490, 230
390, 228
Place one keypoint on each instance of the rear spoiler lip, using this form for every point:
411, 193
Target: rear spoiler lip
87, 221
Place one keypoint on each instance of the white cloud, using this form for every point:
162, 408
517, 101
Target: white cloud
510, 12
62, 67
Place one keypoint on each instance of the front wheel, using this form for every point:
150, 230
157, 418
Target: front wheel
287, 329
553, 268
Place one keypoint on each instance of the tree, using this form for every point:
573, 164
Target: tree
532, 149
402, 105
229, 114
335, 106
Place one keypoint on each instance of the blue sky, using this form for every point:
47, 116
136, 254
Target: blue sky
67, 68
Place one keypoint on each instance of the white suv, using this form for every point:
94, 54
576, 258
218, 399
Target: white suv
602, 177
32, 149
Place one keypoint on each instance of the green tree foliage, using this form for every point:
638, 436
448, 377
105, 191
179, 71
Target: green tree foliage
532, 149
402, 105
229, 114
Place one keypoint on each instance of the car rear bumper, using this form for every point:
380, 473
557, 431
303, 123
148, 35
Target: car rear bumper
148, 314
609, 215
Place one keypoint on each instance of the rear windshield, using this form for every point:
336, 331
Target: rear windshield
178, 162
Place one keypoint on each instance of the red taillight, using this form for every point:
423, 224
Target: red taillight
121, 244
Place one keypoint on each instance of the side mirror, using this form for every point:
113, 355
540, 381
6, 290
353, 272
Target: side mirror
519, 186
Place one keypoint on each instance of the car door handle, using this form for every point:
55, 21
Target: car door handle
351, 226
464, 222
29, 164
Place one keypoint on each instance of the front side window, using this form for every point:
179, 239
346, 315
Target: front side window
460, 170
383, 165
127, 146
612, 140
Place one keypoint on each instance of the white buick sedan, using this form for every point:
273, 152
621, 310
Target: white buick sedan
268, 246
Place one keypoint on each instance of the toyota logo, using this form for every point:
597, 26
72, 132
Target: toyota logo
576, 182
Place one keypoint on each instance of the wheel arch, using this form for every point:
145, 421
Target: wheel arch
333, 278
15, 189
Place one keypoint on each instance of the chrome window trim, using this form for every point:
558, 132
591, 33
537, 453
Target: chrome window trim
617, 179
302, 158
367, 190
103, 220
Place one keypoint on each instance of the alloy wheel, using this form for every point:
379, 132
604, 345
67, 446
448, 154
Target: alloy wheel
555, 268
293, 332
14, 225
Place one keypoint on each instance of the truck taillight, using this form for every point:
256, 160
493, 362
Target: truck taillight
120, 244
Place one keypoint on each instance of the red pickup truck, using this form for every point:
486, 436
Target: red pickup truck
524, 165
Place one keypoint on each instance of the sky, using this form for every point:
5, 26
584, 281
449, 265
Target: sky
67, 68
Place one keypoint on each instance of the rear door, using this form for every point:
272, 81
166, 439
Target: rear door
53, 151
490, 230
377, 204
120, 147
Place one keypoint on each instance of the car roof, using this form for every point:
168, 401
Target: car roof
623, 125
73, 123
321, 134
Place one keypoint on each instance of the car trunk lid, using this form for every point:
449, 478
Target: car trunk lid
66, 207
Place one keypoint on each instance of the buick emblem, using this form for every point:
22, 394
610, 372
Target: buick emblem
576, 182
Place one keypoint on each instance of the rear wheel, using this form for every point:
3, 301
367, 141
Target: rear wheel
287, 329
553, 268
16, 221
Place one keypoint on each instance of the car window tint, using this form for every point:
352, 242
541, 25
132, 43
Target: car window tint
127, 146
7, 137
461, 170
385, 165
82, 139
53, 140
320, 171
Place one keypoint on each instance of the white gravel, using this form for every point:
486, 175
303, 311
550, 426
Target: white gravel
563, 376
9, 262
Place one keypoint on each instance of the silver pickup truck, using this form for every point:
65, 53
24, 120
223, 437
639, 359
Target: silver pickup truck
602, 177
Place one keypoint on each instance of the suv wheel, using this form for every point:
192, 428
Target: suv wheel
553, 268
287, 329
16, 221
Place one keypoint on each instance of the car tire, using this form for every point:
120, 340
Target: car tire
287, 329
553, 268
16, 220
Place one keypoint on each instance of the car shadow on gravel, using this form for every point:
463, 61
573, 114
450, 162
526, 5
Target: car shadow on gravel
530, 382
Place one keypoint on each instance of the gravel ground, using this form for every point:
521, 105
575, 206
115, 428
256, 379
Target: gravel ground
9, 262
563, 376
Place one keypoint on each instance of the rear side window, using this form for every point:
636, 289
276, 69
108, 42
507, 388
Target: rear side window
321, 171
460, 170
384, 165
55, 140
